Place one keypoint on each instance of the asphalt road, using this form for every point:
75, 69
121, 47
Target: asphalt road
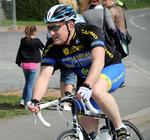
139, 28
132, 98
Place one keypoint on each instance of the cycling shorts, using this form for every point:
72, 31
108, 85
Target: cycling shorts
114, 75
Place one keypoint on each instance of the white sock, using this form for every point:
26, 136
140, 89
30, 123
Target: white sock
122, 126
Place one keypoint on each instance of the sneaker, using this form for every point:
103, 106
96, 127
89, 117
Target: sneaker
123, 134
67, 108
22, 103
26, 107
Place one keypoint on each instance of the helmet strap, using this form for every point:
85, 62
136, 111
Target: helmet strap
68, 32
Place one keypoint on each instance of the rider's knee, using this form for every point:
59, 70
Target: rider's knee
98, 93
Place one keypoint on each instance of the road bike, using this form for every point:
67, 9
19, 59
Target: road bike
76, 131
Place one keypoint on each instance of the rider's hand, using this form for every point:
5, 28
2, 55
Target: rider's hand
85, 91
33, 106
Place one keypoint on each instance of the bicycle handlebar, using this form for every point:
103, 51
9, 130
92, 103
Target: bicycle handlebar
39, 115
56, 102
42, 106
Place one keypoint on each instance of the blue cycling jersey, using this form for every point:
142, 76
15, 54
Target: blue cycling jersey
77, 55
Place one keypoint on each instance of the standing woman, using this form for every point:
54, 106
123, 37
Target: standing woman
28, 57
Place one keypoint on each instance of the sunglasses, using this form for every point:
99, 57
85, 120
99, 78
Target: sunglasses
55, 28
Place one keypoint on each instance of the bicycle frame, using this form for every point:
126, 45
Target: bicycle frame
77, 126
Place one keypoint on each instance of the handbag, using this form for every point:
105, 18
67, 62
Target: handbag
121, 44
117, 42
128, 38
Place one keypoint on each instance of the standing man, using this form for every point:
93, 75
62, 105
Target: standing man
117, 15
81, 48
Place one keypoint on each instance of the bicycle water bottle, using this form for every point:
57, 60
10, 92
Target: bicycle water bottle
105, 135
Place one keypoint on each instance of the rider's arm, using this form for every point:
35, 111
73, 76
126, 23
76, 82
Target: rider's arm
98, 59
42, 82
40, 87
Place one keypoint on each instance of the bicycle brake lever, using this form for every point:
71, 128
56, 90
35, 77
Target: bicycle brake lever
34, 117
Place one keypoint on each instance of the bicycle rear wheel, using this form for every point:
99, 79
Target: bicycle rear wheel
134, 132
68, 135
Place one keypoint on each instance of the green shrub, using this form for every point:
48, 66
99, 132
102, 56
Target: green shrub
134, 4
8, 9
28, 10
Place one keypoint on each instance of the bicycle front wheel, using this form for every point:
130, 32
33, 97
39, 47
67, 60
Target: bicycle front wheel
134, 132
68, 135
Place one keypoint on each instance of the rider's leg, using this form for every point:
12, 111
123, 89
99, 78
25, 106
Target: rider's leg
110, 79
67, 81
106, 101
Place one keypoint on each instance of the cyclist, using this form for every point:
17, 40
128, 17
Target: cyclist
80, 47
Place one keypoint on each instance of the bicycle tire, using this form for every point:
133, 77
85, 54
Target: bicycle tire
134, 132
68, 135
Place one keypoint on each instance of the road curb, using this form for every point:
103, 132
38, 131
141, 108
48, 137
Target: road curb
3, 29
139, 117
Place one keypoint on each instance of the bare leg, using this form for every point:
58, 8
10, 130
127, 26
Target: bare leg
106, 102
64, 88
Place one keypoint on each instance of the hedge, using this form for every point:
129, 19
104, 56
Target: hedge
28, 10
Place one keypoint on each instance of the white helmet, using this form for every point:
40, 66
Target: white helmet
60, 13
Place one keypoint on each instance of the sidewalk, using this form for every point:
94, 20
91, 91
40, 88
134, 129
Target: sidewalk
139, 117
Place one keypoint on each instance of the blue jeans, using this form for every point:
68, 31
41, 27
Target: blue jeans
29, 75
67, 76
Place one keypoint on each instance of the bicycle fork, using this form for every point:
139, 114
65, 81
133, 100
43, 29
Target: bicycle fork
76, 126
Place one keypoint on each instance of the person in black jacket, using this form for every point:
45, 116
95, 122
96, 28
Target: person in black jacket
28, 57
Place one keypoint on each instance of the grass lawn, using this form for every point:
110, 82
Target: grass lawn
9, 106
